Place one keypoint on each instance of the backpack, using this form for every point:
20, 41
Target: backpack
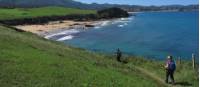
172, 65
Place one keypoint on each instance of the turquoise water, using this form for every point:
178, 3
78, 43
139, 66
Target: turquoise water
149, 34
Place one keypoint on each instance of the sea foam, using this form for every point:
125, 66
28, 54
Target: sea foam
66, 32
120, 25
68, 37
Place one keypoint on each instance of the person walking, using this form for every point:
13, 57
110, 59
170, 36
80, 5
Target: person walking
119, 55
170, 67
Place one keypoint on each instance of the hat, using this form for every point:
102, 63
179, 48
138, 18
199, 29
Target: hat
169, 57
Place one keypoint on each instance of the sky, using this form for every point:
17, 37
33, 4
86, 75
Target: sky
143, 2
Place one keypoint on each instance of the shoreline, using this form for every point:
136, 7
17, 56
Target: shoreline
63, 28
55, 25
66, 27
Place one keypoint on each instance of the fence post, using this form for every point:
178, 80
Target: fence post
179, 60
193, 61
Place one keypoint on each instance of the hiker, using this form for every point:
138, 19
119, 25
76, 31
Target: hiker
170, 68
119, 55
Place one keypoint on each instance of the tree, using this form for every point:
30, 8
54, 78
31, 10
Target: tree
112, 13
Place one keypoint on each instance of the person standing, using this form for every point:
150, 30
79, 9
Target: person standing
170, 68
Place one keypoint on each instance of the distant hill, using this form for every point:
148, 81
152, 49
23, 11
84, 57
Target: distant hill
38, 3
94, 6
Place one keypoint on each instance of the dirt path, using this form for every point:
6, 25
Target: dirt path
153, 76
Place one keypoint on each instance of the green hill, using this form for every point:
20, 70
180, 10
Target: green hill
27, 60
96, 6
19, 13
40, 3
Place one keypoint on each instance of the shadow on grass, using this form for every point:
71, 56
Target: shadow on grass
183, 84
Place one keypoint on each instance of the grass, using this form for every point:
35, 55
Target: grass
27, 60
184, 75
18, 13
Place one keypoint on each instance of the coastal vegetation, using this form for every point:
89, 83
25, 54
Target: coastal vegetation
20, 13
21, 16
28, 60
112, 13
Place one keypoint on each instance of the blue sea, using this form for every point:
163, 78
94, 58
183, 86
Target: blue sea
148, 34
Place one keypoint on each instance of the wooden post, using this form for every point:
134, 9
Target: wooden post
193, 61
179, 60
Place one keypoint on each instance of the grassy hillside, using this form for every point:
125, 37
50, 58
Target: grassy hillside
18, 13
184, 75
27, 60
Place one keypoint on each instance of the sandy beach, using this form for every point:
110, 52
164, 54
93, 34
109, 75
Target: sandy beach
52, 26
68, 27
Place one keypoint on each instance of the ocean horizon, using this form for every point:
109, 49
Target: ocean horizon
152, 35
